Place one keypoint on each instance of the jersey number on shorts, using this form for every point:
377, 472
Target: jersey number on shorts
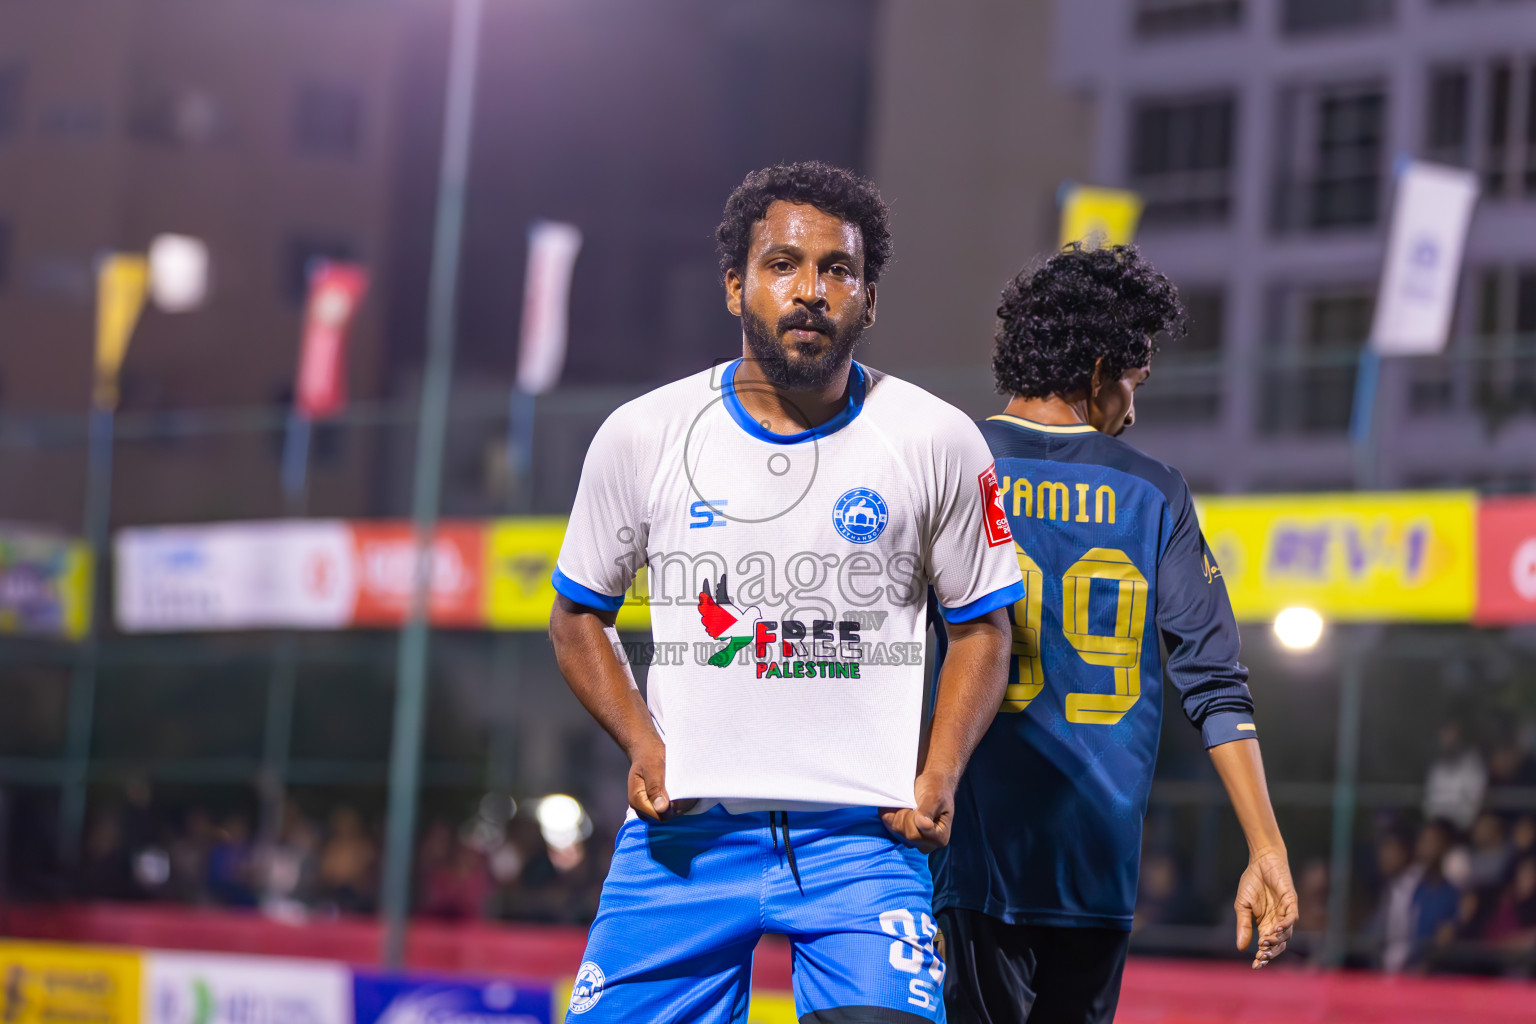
1120, 651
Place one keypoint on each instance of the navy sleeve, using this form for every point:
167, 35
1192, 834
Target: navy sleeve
1200, 631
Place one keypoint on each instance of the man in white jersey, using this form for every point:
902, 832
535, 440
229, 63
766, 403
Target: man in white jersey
791, 508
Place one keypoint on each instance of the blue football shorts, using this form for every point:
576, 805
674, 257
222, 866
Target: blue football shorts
685, 902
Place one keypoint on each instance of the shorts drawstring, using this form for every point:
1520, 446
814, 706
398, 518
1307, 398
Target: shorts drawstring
789, 850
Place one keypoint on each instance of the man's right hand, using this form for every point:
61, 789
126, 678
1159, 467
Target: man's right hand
647, 785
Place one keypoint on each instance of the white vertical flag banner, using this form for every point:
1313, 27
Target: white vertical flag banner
552, 250
1418, 281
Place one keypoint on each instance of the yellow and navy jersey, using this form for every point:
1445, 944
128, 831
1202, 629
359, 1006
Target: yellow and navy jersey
1048, 816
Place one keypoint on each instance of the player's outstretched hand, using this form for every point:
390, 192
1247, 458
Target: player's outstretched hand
927, 825
1266, 893
647, 785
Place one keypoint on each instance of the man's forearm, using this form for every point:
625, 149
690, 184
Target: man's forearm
1242, 773
970, 690
597, 677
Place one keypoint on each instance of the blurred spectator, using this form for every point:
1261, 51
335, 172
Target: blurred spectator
1489, 858
1312, 895
1522, 837
231, 867
287, 867
458, 888
1457, 779
433, 854
1479, 872
1511, 761
1419, 906
347, 863
107, 870
189, 857
1513, 923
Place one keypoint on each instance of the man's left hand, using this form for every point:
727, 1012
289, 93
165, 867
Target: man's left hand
1266, 893
925, 826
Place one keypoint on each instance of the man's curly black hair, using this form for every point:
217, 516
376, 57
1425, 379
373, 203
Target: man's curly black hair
830, 189
1079, 307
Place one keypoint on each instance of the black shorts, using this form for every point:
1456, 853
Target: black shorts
1000, 973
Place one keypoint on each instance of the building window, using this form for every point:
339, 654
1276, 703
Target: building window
301, 253
1186, 387
1181, 159
1178, 17
1509, 151
1446, 135
11, 82
1301, 17
177, 117
327, 121
1484, 117
1310, 381
1333, 142
1505, 341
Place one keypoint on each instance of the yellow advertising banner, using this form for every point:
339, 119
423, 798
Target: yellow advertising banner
1111, 214
48, 984
1357, 557
519, 558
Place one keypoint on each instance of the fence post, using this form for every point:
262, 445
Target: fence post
1345, 798
442, 300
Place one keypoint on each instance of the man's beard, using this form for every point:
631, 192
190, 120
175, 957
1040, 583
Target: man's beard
814, 369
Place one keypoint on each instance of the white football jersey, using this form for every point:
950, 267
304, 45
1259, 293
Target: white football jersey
787, 578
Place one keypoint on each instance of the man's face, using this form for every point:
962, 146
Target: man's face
1112, 407
803, 301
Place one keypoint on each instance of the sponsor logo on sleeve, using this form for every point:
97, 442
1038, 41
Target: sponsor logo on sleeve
996, 517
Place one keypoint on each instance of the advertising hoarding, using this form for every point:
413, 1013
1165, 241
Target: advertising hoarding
56, 984
210, 988
1353, 557
396, 999
1506, 577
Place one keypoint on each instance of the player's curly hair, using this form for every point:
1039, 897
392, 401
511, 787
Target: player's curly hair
830, 189
1059, 319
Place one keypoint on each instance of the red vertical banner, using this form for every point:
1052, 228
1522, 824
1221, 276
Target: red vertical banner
335, 292
1506, 561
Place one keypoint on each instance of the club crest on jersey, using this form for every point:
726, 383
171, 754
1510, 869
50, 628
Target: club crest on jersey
860, 515
998, 531
588, 988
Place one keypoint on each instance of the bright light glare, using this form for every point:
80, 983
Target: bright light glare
562, 821
178, 272
1299, 628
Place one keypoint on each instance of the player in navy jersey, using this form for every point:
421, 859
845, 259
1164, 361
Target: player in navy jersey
1037, 888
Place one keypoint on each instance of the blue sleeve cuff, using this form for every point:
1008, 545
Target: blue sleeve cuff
1226, 726
584, 596
979, 607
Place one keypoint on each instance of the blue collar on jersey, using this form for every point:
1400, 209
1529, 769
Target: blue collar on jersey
844, 417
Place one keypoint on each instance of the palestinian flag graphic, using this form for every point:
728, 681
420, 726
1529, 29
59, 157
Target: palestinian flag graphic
724, 622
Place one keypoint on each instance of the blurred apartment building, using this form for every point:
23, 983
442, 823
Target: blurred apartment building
283, 130
1263, 135
264, 128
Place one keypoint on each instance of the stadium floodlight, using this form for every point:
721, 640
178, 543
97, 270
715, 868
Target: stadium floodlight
178, 272
562, 821
1299, 628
